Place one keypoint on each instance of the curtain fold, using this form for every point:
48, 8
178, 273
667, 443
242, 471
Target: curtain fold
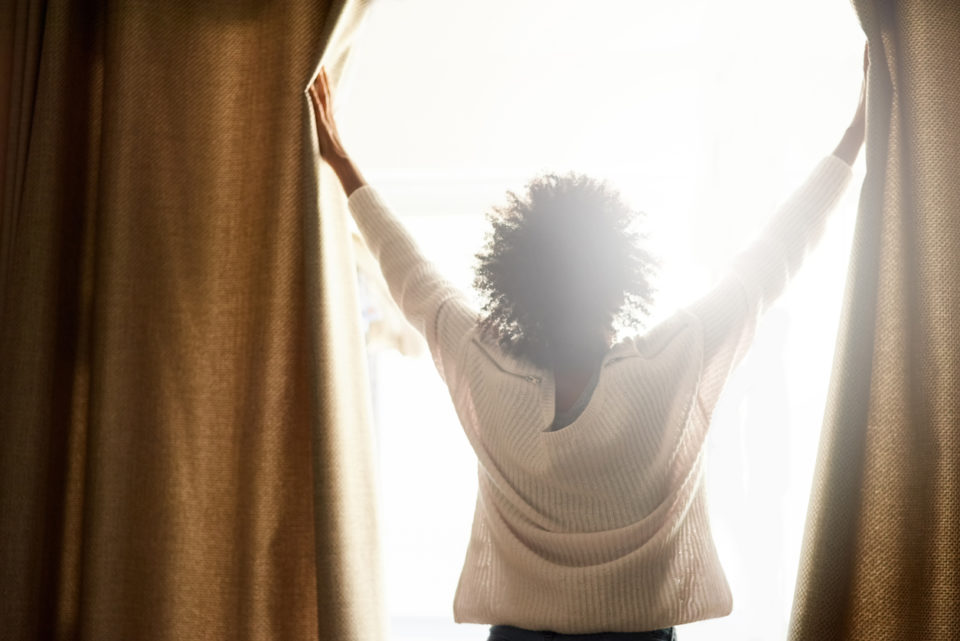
184, 432
881, 555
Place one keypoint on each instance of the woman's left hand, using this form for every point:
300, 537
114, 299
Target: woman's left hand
320, 95
329, 140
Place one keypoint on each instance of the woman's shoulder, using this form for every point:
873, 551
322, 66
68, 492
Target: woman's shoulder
677, 331
486, 349
669, 338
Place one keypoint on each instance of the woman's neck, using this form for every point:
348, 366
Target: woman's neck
571, 377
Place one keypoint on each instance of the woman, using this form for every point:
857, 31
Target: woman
590, 516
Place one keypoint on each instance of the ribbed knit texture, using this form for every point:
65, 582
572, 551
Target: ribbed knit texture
601, 525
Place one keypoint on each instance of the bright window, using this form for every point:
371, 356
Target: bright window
705, 115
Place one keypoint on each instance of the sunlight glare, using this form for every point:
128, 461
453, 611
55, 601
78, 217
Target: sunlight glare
705, 115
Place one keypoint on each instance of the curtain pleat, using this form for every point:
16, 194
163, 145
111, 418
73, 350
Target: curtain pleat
881, 555
184, 434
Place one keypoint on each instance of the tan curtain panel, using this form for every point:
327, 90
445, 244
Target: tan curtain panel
184, 427
881, 557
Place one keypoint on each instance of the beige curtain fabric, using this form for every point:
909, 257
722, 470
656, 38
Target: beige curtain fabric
881, 557
184, 440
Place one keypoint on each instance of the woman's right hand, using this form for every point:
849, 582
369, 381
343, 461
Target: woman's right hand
849, 146
860, 116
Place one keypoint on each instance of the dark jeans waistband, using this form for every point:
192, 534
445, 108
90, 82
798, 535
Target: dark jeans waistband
510, 633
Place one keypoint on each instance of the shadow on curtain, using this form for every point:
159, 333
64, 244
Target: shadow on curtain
881, 555
184, 451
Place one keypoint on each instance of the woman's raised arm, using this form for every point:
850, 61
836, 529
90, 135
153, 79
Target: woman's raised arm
761, 271
429, 302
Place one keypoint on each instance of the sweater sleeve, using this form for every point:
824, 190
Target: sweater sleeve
759, 274
436, 309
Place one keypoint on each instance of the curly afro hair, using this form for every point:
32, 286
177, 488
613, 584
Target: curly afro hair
562, 270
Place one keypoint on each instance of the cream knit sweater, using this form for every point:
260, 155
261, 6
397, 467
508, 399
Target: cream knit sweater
601, 525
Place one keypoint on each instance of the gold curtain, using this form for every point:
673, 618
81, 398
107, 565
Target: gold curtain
184, 440
881, 557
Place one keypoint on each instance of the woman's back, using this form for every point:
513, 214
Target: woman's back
608, 511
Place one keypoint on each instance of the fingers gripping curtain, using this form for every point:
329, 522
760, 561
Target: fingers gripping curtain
184, 449
881, 556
